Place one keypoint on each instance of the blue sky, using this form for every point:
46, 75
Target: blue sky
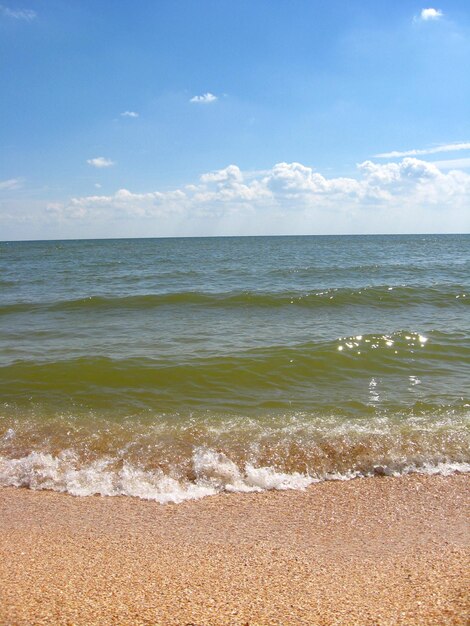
185, 117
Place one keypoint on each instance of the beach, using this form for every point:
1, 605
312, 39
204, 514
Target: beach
234, 313
368, 551
231, 431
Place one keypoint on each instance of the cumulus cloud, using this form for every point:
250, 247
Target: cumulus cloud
11, 183
18, 14
449, 147
129, 114
100, 162
430, 14
230, 173
122, 203
411, 195
204, 99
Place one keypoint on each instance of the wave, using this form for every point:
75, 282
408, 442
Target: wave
380, 352
383, 296
7, 283
326, 374
214, 473
390, 269
172, 457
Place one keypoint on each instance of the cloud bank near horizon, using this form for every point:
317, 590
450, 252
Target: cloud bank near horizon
409, 196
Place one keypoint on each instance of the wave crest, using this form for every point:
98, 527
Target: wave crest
215, 473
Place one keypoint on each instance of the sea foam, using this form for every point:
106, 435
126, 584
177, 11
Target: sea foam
213, 473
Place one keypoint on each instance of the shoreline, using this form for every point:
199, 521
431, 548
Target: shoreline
375, 550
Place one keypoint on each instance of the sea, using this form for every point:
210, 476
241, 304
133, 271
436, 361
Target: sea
172, 369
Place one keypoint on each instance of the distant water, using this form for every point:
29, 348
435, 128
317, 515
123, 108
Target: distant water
177, 368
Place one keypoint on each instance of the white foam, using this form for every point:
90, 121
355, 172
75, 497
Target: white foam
214, 473
444, 469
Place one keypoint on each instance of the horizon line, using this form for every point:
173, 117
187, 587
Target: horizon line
234, 237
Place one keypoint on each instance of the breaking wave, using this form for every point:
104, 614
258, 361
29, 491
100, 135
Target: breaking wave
214, 472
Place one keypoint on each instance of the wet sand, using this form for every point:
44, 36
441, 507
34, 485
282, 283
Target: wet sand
369, 551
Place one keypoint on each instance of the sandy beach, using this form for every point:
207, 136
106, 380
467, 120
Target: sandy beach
369, 551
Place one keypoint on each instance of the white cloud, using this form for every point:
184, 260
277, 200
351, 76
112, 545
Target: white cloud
100, 162
450, 147
129, 114
18, 14
430, 14
123, 202
230, 173
453, 164
205, 98
11, 183
409, 196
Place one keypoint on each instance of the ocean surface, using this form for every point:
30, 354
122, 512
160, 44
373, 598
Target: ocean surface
170, 369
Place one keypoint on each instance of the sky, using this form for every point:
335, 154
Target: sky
165, 118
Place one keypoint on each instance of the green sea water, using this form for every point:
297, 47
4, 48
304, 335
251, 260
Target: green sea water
176, 368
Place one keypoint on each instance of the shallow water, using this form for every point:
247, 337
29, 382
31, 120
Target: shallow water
176, 368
